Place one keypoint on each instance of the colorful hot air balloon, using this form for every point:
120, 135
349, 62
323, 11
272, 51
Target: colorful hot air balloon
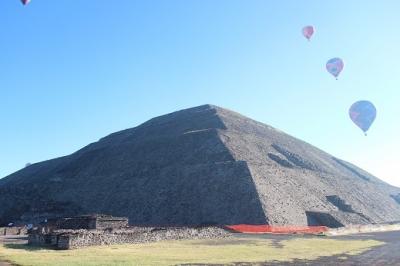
335, 66
308, 31
25, 2
363, 114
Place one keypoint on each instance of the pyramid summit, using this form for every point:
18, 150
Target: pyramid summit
202, 165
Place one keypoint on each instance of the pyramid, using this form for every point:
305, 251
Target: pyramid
203, 165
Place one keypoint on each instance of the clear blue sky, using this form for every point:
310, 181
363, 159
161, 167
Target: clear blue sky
73, 71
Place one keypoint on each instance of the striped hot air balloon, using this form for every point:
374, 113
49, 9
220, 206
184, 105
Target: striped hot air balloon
308, 31
335, 66
25, 2
363, 114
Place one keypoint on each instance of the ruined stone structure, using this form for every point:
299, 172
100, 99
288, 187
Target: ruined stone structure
203, 165
7, 231
73, 239
94, 230
89, 222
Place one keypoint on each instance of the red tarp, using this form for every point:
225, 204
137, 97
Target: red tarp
268, 229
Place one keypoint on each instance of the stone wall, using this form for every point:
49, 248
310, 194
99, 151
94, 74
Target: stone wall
96, 221
13, 231
111, 222
73, 239
38, 239
77, 223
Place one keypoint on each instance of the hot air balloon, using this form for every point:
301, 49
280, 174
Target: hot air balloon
363, 114
335, 66
308, 31
25, 2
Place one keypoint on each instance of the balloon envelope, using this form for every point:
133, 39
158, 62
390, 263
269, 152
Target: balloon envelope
335, 66
363, 114
308, 31
25, 2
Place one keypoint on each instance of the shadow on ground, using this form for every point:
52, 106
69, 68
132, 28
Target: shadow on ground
25, 247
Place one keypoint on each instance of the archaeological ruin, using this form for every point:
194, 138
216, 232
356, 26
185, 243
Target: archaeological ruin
96, 230
200, 166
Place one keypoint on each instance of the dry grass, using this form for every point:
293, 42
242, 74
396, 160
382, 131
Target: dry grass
179, 252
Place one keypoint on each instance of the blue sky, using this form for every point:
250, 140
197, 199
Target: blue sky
73, 71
